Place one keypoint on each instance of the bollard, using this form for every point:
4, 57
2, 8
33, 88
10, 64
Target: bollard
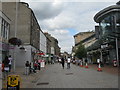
86, 65
27, 70
81, 64
99, 68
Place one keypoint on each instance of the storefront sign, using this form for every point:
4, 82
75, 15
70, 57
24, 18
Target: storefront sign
42, 63
4, 46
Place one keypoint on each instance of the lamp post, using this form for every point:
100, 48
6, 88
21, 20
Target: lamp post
16, 21
116, 40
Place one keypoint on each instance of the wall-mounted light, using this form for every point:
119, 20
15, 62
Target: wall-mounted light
22, 48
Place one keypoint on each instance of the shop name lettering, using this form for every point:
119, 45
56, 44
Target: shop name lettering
5, 46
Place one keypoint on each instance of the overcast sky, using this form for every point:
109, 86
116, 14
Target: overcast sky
65, 18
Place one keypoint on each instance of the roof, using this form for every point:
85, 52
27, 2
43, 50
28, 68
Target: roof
102, 13
86, 39
80, 33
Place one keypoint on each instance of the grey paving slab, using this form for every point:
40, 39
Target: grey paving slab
75, 77
0, 79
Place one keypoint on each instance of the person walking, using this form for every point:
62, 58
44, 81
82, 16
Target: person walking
6, 64
35, 65
27, 67
10, 62
62, 62
59, 60
6, 67
68, 63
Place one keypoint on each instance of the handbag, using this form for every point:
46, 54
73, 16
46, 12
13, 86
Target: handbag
6, 68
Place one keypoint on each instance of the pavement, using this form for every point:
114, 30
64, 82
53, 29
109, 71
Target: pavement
107, 68
54, 76
25, 80
0, 79
29, 80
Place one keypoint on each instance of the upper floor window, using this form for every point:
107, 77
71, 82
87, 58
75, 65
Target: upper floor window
105, 26
4, 29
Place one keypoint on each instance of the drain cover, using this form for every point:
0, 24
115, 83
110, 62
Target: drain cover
43, 83
69, 73
34, 81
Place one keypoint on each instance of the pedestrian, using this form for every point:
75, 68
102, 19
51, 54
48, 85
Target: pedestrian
27, 68
5, 67
39, 65
35, 65
10, 62
62, 62
31, 69
86, 61
59, 60
6, 64
68, 63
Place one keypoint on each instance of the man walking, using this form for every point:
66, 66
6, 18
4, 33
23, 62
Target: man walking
68, 63
62, 62
10, 62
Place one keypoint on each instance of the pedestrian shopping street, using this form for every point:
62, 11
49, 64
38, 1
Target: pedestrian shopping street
35, 43
54, 76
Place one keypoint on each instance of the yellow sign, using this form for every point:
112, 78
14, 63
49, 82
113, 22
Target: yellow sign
13, 80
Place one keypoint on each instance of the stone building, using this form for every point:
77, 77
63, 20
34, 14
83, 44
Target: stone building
81, 36
4, 35
55, 49
24, 26
48, 43
86, 38
43, 42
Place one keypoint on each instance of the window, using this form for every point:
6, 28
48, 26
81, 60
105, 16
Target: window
0, 25
4, 29
105, 26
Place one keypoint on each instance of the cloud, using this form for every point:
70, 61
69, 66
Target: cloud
58, 17
64, 38
46, 10
67, 0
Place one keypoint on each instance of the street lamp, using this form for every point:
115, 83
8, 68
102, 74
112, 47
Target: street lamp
116, 39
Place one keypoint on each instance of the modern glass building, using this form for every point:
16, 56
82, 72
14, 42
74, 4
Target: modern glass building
109, 32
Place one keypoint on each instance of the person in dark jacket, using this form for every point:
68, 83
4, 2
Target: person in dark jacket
62, 62
6, 64
6, 61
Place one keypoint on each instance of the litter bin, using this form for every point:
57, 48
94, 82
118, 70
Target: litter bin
115, 63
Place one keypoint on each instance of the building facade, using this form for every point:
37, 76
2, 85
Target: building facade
86, 38
109, 32
81, 36
54, 48
43, 42
24, 26
4, 35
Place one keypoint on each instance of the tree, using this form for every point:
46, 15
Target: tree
81, 52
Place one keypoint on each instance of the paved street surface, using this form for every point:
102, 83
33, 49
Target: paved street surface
0, 79
53, 76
